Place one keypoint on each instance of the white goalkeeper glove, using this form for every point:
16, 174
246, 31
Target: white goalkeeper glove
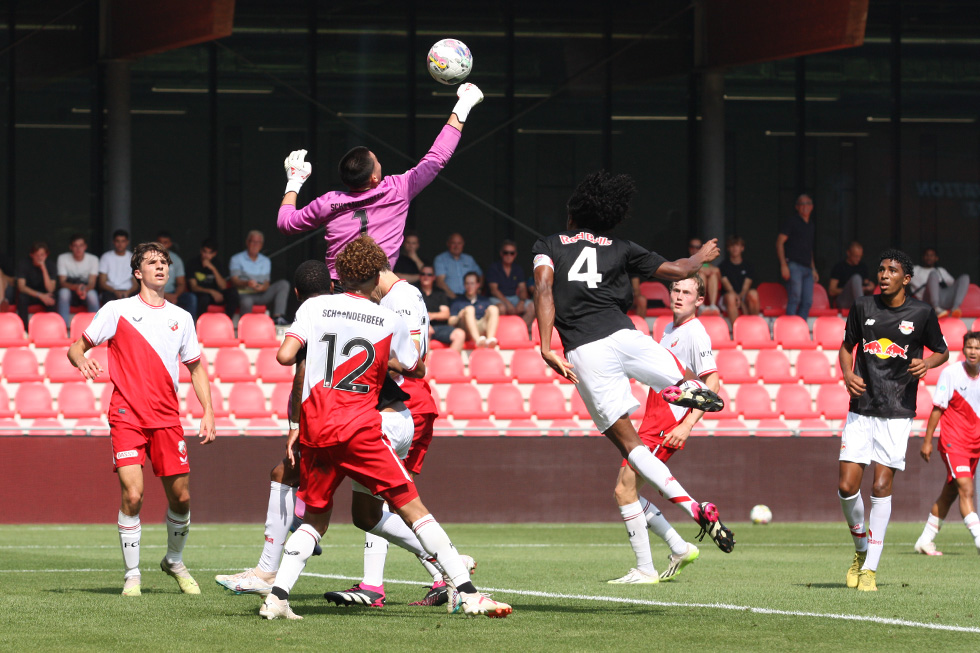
469, 96
297, 170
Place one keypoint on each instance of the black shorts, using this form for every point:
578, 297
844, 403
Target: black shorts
442, 332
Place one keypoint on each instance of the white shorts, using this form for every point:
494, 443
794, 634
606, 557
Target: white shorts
399, 428
605, 367
881, 439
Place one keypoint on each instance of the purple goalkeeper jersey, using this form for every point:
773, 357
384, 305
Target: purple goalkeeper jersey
378, 212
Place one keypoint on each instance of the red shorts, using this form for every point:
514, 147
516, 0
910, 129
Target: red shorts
958, 465
420, 443
167, 449
367, 457
656, 444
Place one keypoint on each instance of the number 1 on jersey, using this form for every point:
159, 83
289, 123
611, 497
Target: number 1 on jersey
361, 214
585, 268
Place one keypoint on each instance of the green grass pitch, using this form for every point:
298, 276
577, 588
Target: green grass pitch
781, 589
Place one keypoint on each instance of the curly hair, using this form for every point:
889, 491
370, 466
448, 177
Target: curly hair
360, 261
901, 257
356, 167
311, 278
143, 250
601, 201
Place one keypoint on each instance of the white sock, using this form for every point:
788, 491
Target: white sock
393, 529
636, 531
299, 547
881, 512
130, 531
375, 554
972, 522
933, 524
278, 518
853, 508
657, 474
177, 527
662, 528
437, 544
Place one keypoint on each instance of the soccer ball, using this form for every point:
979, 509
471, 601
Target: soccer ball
449, 61
760, 514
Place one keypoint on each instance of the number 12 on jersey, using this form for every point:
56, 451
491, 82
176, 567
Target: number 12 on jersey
585, 268
346, 383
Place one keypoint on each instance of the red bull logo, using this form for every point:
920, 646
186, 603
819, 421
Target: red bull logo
885, 348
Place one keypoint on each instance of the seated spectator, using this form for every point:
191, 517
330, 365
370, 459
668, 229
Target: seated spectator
78, 274
175, 291
437, 305
505, 279
936, 286
116, 280
475, 314
711, 276
849, 279
409, 263
36, 281
452, 265
639, 300
207, 277
8, 284
251, 273
736, 281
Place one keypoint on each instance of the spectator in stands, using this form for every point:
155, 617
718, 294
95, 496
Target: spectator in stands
849, 279
36, 281
251, 274
8, 285
452, 265
78, 274
505, 279
175, 291
711, 276
475, 314
794, 248
207, 277
736, 280
936, 286
437, 305
409, 264
116, 280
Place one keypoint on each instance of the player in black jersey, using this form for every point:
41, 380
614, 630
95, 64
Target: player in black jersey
582, 287
882, 378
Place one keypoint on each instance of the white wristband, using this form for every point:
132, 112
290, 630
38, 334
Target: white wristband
292, 425
293, 185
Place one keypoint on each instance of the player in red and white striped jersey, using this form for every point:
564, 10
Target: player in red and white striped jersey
148, 338
957, 410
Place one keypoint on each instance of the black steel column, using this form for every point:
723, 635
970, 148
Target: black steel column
510, 145
607, 90
313, 116
97, 157
896, 123
411, 89
693, 154
10, 241
800, 126
213, 180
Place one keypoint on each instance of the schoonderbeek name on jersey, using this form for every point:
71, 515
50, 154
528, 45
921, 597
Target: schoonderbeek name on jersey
355, 205
584, 235
357, 317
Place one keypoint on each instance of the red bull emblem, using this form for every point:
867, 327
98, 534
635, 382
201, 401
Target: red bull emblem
885, 348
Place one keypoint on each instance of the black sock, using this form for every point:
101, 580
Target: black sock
282, 594
465, 587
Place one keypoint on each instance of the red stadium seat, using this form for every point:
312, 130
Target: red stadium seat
12, 331
555, 338
280, 400
184, 374
506, 402
821, 303
772, 299
932, 374
258, 331
20, 366
772, 366
813, 367
487, 366
512, 333
548, 402
753, 402
79, 322
194, 408
105, 396
833, 401
733, 367
752, 332
816, 428
94, 426
640, 394
522, 428
729, 427
953, 330
661, 323
224, 426
971, 303
57, 367
480, 428
264, 426
579, 410
231, 365
640, 324
246, 401
828, 332
48, 425
792, 332
48, 330
75, 400
923, 402
33, 400
5, 410
101, 354
463, 402
526, 366
9, 426
717, 329
444, 428
793, 401
446, 366
763, 429
216, 330
268, 369
655, 292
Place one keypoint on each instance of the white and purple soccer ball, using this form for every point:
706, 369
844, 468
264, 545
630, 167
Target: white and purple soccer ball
760, 514
449, 61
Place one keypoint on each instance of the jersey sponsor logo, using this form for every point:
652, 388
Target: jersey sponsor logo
869, 321
884, 348
172, 324
132, 453
138, 319
872, 540
543, 259
962, 469
584, 235
906, 328
269, 540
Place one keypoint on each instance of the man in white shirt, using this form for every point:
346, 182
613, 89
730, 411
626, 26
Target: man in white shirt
251, 273
78, 272
116, 280
936, 286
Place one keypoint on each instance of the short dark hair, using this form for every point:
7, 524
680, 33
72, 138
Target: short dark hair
140, 252
469, 274
356, 167
120, 232
970, 335
601, 201
901, 257
209, 243
75, 237
164, 234
734, 240
39, 245
312, 278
